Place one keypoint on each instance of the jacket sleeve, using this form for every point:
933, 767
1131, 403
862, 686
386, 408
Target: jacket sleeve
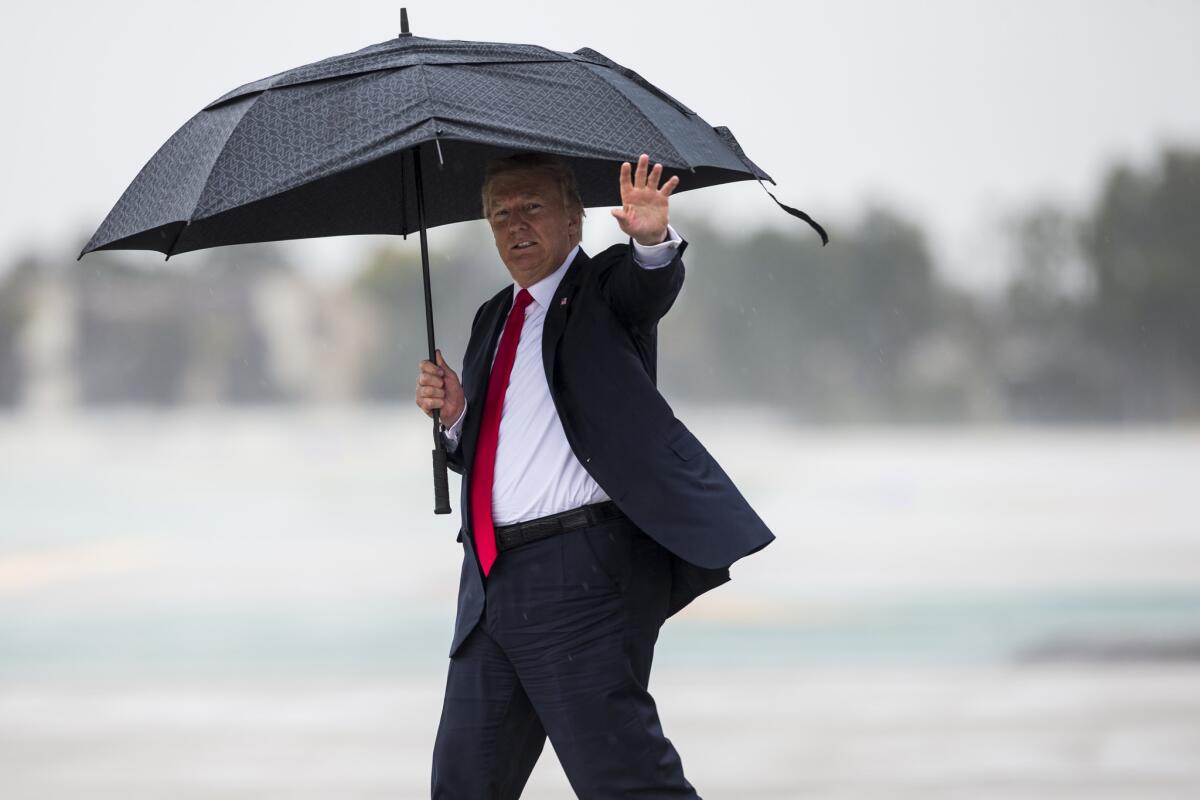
454, 459
638, 295
454, 451
452, 437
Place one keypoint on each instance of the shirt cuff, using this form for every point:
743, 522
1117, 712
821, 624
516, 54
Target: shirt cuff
657, 255
452, 433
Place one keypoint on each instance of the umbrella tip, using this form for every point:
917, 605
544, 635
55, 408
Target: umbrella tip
404, 22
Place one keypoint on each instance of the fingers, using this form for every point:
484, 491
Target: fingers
639, 178
430, 376
428, 380
442, 363
438, 387
430, 388
441, 369
644, 202
654, 178
430, 393
430, 404
645, 177
627, 218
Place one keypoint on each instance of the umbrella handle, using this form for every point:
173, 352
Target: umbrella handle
441, 487
441, 483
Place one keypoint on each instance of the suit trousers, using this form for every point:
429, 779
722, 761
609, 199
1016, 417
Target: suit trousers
563, 650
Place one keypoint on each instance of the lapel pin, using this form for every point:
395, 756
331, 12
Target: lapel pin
563, 302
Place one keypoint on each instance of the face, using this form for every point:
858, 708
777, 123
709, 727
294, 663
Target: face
533, 231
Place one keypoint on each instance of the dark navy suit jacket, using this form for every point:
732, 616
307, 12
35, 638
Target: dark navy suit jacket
599, 348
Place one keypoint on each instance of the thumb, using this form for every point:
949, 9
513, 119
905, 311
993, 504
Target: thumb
442, 362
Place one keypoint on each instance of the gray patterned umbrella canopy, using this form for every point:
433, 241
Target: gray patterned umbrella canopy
327, 149
394, 138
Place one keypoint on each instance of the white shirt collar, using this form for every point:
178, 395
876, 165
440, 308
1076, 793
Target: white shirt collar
543, 291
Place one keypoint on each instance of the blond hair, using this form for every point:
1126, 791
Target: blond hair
551, 165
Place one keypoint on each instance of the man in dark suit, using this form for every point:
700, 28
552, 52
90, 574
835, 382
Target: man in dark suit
590, 512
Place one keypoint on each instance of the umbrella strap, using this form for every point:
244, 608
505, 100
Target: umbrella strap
795, 212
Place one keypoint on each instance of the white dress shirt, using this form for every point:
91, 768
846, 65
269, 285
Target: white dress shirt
537, 473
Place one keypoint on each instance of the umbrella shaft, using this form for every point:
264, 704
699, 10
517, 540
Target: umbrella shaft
416, 151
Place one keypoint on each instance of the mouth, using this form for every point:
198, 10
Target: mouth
523, 245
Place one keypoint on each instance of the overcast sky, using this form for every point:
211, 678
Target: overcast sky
953, 111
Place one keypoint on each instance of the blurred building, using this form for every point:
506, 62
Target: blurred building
46, 345
219, 332
317, 339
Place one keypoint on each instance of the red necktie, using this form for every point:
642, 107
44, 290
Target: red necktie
483, 471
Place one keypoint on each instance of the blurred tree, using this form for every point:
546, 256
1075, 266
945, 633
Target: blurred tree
772, 317
464, 272
1050, 369
1050, 277
1143, 249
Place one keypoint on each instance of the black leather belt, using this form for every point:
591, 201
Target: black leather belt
519, 533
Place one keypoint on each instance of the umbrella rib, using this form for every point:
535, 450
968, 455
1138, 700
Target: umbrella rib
234, 96
585, 55
597, 78
278, 190
208, 178
178, 235
437, 130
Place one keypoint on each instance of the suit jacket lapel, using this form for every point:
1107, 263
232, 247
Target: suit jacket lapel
478, 370
560, 309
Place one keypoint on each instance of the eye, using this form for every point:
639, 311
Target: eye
533, 206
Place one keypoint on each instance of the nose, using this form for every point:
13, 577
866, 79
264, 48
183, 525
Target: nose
516, 220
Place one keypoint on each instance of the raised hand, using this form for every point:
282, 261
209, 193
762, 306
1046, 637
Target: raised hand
643, 211
438, 387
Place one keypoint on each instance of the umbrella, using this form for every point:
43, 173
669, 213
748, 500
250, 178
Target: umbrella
394, 138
